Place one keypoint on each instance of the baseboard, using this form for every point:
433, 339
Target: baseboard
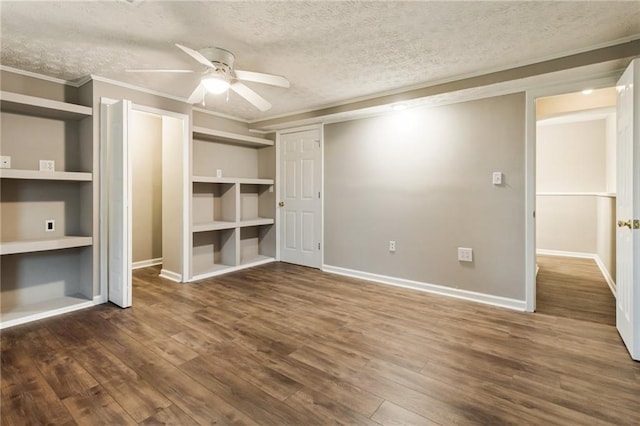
170, 275
606, 275
100, 299
146, 263
487, 299
226, 270
594, 256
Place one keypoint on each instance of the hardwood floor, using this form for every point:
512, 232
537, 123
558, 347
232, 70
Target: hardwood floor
574, 288
281, 344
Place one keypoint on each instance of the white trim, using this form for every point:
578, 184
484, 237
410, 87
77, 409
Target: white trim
146, 263
596, 82
530, 267
100, 299
594, 114
38, 76
226, 270
97, 300
170, 275
137, 88
581, 255
503, 302
577, 194
222, 115
277, 144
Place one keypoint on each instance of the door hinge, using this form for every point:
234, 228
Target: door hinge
318, 246
318, 194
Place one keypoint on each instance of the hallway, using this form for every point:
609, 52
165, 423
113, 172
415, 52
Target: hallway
574, 288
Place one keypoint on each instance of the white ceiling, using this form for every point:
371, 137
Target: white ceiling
332, 52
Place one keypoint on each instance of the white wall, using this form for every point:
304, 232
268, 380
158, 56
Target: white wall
576, 157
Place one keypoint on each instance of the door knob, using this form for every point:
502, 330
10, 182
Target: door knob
622, 224
281, 203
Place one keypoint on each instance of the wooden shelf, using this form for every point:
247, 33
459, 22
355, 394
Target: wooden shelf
15, 247
227, 137
218, 269
213, 226
249, 181
38, 175
256, 222
15, 315
41, 107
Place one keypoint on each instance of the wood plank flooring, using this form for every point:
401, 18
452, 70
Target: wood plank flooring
287, 345
574, 288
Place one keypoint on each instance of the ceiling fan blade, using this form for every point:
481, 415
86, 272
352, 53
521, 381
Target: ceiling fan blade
195, 55
256, 100
198, 95
180, 71
258, 77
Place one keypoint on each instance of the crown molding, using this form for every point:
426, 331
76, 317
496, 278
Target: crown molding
219, 114
38, 76
136, 88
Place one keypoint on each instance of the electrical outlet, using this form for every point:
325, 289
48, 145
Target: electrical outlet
465, 254
49, 225
47, 165
218, 173
392, 246
5, 162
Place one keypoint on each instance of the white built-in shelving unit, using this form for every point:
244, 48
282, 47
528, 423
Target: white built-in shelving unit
233, 224
45, 271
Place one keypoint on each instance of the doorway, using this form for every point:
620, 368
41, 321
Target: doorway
144, 194
575, 204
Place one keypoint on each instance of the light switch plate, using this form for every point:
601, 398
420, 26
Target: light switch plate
5, 162
497, 178
47, 166
218, 173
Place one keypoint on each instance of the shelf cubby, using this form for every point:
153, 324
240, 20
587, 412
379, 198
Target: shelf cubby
252, 245
46, 272
40, 284
214, 251
214, 206
233, 224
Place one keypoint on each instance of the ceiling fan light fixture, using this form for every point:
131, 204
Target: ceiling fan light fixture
215, 85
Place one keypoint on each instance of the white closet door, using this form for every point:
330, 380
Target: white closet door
628, 209
120, 206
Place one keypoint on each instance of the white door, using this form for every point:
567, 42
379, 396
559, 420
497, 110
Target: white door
300, 203
119, 201
628, 209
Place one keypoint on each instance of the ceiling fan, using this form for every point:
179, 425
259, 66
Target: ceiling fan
219, 76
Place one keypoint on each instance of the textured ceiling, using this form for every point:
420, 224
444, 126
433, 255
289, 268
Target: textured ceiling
331, 52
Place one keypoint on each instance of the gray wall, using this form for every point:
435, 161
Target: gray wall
422, 177
146, 151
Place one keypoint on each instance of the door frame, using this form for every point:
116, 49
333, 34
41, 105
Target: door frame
278, 144
597, 81
104, 206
